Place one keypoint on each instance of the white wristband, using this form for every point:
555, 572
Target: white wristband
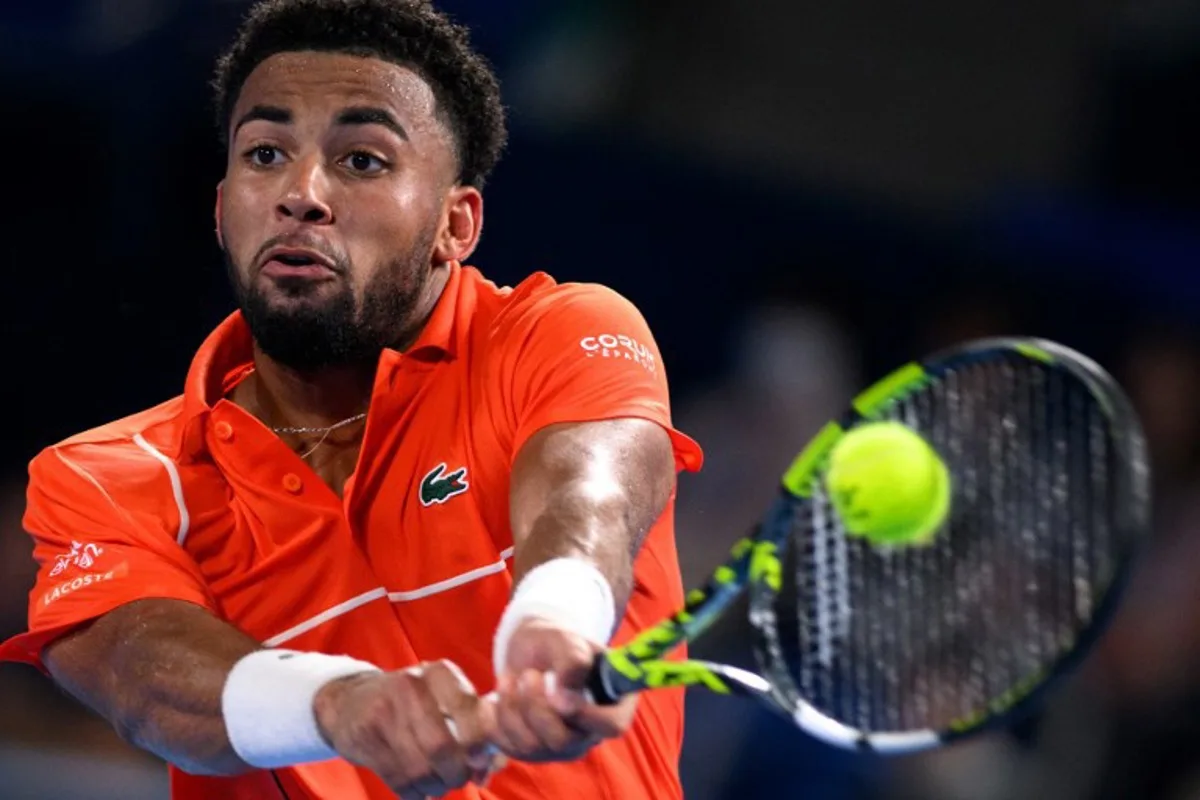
267, 703
566, 591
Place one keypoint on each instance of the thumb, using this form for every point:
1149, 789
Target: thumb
564, 699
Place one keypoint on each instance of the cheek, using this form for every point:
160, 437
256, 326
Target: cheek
387, 206
238, 220
387, 223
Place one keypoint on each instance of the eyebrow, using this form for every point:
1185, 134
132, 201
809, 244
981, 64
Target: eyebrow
354, 115
266, 113
371, 115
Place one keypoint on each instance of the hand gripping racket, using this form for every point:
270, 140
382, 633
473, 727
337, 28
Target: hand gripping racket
902, 649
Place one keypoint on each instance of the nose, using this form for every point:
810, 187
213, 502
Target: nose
306, 195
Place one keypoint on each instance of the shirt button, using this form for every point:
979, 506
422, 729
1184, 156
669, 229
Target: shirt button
224, 431
292, 483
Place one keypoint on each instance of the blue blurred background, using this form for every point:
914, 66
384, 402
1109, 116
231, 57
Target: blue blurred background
797, 195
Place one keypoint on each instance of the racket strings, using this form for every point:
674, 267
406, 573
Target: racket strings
925, 637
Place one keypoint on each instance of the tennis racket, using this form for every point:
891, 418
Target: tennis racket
903, 649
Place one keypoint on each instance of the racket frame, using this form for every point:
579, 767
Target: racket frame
755, 566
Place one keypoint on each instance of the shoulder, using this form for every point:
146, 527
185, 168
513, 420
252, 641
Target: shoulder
125, 456
540, 308
126, 428
547, 297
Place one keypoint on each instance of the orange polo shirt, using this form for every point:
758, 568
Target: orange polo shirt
197, 500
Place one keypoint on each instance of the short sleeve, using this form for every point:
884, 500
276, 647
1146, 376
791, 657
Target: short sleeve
582, 352
95, 551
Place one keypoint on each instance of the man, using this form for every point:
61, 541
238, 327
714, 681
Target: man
366, 462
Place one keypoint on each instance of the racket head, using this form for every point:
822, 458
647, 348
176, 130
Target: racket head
905, 649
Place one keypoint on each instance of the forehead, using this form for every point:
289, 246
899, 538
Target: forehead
320, 83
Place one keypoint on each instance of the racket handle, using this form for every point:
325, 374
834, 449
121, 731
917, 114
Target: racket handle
600, 684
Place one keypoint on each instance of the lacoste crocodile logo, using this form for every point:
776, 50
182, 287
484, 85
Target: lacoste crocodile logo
438, 487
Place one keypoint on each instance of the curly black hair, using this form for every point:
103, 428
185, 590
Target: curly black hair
408, 32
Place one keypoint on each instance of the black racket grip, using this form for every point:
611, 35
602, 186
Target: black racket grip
600, 680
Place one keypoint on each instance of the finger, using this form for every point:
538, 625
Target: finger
394, 753
605, 722
540, 715
427, 720
566, 701
573, 660
487, 758
513, 734
470, 718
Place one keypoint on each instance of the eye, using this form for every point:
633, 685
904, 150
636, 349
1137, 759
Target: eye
264, 155
365, 163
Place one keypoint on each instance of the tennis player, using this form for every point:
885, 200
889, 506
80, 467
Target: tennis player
388, 486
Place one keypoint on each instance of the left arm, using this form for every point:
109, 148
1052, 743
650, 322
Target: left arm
588, 492
580, 390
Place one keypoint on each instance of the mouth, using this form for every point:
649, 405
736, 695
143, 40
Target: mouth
293, 262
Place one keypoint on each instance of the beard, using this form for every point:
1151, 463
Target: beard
334, 330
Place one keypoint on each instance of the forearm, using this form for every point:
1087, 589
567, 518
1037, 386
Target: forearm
591, 491
588, 522
155, 669
584, 496
178, 682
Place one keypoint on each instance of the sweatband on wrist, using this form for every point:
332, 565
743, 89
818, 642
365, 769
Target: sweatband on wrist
565, 591
267, 703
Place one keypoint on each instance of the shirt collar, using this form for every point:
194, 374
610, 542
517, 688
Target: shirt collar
440, 335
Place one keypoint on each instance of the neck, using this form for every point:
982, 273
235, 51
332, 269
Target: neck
280, 395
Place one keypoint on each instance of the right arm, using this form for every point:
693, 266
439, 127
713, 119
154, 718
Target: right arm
139, 643
166, 667
165, 662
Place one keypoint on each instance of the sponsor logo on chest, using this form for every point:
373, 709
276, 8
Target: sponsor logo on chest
439, 484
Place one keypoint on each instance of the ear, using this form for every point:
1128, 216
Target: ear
217, 214
462, 223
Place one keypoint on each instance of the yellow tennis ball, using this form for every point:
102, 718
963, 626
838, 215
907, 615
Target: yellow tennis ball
888, 485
